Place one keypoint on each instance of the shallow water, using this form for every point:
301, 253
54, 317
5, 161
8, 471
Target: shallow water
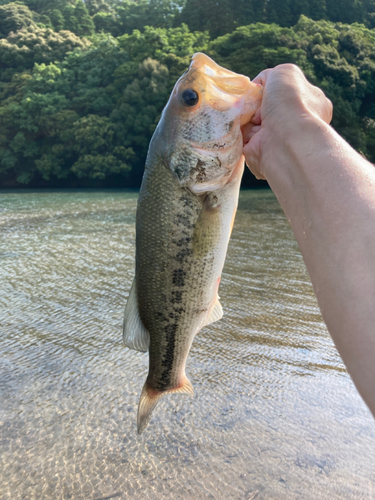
275, 415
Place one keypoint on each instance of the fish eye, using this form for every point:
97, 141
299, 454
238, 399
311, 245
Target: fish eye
189, 98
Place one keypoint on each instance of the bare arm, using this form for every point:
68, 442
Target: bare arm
327, 191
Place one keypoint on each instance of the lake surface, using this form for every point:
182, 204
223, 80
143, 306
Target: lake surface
275, 415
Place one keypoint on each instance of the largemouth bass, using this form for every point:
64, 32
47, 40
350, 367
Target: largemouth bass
185, 214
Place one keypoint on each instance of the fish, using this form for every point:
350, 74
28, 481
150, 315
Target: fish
185, 214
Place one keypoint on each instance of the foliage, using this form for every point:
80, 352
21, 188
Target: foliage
83, 84
14, 17
78, 20
223, 16
21, 50
338, 58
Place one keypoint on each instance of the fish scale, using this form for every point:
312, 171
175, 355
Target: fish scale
167, 304
185, 214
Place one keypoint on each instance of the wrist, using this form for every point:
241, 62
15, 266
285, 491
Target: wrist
288, 143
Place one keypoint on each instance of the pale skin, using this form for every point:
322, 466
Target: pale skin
327, 191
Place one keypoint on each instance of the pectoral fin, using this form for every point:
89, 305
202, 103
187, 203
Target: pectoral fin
135, 334
207, 230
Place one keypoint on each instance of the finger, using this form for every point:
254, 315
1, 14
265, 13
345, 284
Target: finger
262, 77
252, 155
248, 131
254, 169
328, 111
257, 118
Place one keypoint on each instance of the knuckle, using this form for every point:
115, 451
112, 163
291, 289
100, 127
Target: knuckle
293, 68
329, 107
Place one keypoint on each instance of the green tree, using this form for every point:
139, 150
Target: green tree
193, 14
136, 15
259, 8
318, 9
78, 109
139, 108
14, 17
279, 12
57, 19
369, 13
243, 12
157, 43
215, 16
47, 126
250, 49
98, 153
345, 11
78, 20
338, 58
85, 24
45, 6
298, 7
19, 51
95, 6
90, 76
221, 19
108, 23
29, 121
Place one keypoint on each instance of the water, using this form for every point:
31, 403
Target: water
275, 414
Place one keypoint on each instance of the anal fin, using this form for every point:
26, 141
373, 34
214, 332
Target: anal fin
135, 334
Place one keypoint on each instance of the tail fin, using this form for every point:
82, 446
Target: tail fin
150, 398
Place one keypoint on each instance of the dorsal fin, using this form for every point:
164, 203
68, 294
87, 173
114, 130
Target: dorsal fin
135, 334
216, 313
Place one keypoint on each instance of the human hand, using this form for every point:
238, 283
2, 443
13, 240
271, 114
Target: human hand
288, 97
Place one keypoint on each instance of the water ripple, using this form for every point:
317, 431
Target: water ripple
275, 414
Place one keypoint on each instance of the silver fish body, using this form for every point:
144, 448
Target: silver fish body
185, 214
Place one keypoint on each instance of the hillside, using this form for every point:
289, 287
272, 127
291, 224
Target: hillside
82, 85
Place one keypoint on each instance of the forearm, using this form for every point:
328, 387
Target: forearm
327, 192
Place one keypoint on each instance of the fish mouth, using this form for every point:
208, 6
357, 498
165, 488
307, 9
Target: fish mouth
223, 79
225, 89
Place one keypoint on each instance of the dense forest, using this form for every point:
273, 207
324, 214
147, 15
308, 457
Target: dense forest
82, 84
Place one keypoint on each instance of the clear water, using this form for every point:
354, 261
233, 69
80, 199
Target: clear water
275, 414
